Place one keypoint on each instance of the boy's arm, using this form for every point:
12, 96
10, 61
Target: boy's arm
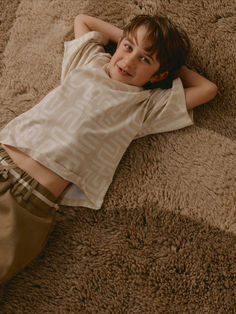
85, 23
198, 90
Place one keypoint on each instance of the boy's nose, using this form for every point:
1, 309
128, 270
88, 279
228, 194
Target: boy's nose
130, 61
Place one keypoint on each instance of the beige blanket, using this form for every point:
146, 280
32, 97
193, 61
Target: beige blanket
164, 240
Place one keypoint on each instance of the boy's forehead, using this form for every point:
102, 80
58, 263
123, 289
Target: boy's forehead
139, 36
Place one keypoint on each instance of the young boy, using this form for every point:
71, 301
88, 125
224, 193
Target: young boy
66, 148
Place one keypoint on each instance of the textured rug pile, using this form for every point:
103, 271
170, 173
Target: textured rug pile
164, 240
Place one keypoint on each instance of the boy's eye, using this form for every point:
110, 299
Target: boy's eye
145, 59
127, 47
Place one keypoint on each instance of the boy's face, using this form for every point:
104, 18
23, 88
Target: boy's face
132, 63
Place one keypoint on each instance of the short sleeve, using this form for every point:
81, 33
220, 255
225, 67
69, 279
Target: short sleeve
81, 51
167, 111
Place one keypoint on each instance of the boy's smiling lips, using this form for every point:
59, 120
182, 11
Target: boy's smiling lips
122, 71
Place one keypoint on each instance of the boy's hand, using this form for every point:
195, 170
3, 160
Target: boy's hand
198, 90
85, 23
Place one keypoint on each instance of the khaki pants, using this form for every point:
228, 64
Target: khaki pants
27, 215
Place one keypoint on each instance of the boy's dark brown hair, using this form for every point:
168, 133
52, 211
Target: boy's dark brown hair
171, 44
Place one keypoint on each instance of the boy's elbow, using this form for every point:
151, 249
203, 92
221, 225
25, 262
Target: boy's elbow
80, 25
76, 18
79, 16
196, 96
213, 90
80, 19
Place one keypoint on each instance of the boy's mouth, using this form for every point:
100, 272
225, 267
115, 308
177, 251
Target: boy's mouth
123, 72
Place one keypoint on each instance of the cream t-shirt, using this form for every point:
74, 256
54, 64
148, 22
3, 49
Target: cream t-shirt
81, 129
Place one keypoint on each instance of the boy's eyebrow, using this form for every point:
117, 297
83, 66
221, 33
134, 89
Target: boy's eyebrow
146, 52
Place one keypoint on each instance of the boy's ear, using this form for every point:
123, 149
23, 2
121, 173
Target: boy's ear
158, 77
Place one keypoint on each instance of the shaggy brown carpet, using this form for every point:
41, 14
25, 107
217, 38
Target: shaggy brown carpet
164, 240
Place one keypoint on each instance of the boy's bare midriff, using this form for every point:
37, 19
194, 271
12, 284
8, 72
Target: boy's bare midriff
42, 174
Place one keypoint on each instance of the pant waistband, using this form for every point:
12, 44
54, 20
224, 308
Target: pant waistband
6, 168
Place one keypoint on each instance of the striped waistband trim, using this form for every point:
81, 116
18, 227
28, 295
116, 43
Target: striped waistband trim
28, 187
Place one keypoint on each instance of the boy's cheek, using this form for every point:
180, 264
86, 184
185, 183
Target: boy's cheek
112, 62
